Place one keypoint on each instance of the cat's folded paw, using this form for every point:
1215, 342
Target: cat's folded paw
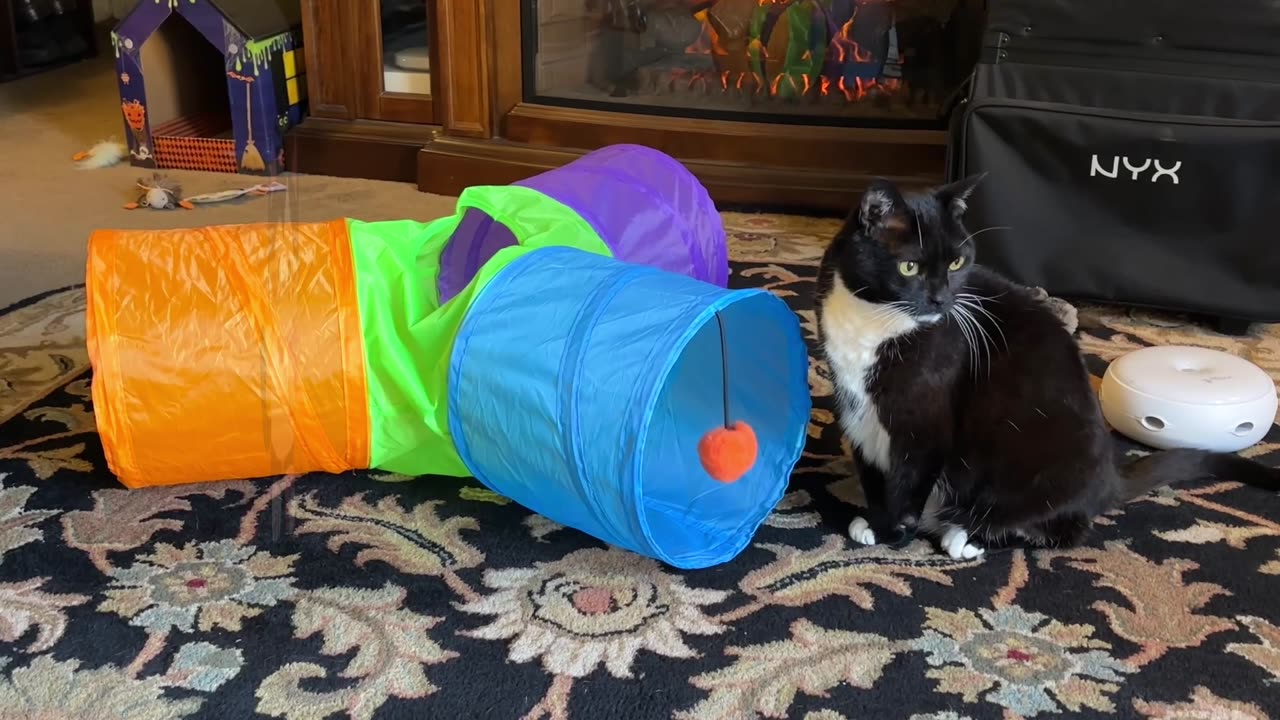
860, 532
955, 543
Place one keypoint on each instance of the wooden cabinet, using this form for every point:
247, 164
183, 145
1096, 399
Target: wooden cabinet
373, 88
35, 37
522, 86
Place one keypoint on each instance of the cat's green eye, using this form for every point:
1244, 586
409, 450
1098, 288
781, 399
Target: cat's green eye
957, 263
908, 268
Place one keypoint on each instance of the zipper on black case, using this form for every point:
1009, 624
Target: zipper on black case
1000, 48
1134, 115
961, 139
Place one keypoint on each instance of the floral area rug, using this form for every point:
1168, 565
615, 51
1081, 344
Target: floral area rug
352, 596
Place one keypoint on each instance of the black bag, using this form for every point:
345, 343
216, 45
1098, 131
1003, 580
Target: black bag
1133, 149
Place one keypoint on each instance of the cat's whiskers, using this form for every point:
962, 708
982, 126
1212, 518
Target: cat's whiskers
974, 302
975, 296
992, 298
978, 333
995, 321
886, 310
889, 306
970, 338
951, 315
962, 324
988, 343
973, 341
972, 235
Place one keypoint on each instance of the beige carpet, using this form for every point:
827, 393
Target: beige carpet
48, 206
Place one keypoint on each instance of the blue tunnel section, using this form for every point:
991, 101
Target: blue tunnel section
580, 386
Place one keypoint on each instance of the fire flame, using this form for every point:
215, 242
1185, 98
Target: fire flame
845, 46
843, 49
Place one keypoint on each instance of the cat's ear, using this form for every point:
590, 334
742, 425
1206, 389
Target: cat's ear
882, 207
955, 196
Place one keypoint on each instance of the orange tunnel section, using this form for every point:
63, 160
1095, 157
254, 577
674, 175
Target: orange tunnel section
224, 353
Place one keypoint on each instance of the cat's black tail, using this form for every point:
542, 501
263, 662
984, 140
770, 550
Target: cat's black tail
1171, 467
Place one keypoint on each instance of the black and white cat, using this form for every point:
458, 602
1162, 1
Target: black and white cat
964, 396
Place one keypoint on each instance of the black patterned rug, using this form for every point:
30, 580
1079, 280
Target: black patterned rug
373, 596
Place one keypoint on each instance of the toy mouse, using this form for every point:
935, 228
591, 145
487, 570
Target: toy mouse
159, 193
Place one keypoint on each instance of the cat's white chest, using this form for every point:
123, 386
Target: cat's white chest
853, 331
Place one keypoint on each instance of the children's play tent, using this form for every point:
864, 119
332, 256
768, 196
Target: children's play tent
210, 84
568, 341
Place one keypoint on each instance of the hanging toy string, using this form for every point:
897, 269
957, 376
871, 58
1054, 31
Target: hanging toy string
729, 451
724, 371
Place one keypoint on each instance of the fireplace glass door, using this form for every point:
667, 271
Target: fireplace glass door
846, 62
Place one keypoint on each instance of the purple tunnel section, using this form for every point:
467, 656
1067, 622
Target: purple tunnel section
646, 206
649, 209
477, 238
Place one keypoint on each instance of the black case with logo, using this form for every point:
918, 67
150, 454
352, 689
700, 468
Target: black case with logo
1133, 149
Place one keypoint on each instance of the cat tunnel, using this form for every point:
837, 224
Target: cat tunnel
568, 341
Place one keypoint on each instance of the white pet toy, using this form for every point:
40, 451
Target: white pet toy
1188, 397
103, 154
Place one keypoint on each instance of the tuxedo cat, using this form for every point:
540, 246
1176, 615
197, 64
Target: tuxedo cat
965, 398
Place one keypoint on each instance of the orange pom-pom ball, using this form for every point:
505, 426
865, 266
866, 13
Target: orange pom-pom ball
728, 453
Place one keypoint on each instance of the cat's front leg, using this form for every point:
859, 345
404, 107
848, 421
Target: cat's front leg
869, 525
875, 525
895, 502
958, 545
950, 527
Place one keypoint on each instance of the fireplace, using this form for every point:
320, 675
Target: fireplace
770, 103
865, 63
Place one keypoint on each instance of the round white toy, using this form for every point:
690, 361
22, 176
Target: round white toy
1188, 397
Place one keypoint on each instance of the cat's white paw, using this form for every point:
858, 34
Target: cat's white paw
860, 532
955, 543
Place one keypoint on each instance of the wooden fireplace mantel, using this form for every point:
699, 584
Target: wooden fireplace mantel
825, 169
482, 131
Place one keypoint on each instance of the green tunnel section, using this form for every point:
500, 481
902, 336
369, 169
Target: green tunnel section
408, 334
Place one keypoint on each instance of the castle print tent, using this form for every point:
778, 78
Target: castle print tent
568, 341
